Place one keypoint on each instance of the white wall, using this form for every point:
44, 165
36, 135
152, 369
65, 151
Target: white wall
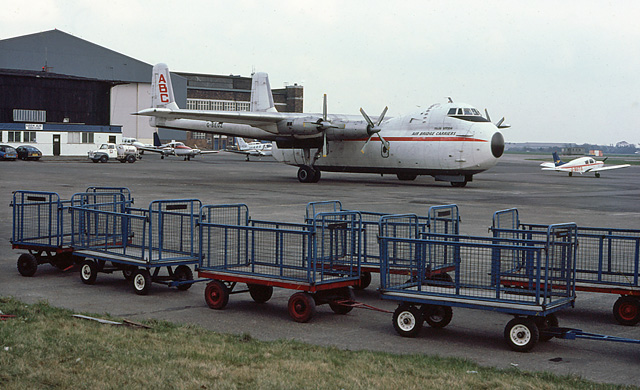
129, 98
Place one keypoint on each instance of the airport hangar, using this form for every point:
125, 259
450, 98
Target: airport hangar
64, 95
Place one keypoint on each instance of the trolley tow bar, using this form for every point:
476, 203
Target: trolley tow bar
360, 305
572, 334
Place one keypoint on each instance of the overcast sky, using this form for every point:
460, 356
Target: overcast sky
559, 71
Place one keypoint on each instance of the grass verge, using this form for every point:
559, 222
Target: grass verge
45, 347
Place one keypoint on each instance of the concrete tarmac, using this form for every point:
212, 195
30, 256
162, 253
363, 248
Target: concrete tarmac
272, 192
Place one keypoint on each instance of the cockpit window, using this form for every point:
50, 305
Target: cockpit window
464, 111
452, 111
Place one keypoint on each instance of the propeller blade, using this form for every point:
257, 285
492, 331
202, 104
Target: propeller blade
382, 116
324, 108
324, 145
500, 122
487, 112
366, 117
366, 143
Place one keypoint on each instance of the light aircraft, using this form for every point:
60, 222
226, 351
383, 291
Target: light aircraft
451, 141
580, 165
254, 148
174, 148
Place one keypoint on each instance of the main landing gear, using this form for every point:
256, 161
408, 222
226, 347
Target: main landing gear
308, 174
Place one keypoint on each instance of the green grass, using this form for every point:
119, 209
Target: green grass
46, 348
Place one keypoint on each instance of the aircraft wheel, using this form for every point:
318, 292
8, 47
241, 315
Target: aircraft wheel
316, 176
459, 184
406, 176
306, 174
597, 174
570, 174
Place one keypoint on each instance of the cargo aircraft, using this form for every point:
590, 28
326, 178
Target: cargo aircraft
450, 141
580, 165
254, 148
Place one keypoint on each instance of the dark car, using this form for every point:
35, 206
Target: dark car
28, 152
7, 152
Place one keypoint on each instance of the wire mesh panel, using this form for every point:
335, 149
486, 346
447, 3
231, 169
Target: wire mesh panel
38, 219
173, 230
476, 278
444, 219
322, 251
605, 256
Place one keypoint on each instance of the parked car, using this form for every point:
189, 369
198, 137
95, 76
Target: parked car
28, 152
8, 152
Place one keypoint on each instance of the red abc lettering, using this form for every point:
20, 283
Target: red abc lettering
164, 98
161, 79
162, 87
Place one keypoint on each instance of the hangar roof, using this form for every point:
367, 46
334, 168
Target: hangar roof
64, 53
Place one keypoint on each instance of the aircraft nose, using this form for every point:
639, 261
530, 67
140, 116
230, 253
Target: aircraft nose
497, 145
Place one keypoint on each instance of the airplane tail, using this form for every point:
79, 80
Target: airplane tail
242, 145
261, 96
556, 159
156, 140
161, 88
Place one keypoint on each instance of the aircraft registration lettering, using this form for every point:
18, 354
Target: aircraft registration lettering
162, 88
214, 125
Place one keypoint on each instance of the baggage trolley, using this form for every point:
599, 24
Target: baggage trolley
440, 219
476, 279
41, 225
320, 260
607, 261
138, 242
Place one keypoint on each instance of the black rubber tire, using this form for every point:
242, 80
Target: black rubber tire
549, 321
626, 310
128, 271
346, 294
406, 176
88, 272
27, 264
104, 159
437, 316
459, 184
141, 281
316, 176
216, 294
301, 307
364, 282
521, 334
123, 161
182, 273
306, 174
407, 320
131, 158
260, 293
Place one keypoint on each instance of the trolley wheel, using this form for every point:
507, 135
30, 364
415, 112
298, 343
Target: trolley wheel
141, 281
128, 271
216, 294
437, 316
407, 320
546, 322
364, 282
627, 310
521, 334
182, 273
260, 293
27, 264
337, 308
88, 272
301, 307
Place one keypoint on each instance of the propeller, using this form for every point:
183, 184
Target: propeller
500, 124
323, 124
374, 128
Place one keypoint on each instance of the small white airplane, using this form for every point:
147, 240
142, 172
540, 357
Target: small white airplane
174, 148
451, 141
580, 165
255, 148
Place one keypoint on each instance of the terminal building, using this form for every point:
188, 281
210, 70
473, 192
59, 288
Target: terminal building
65, 96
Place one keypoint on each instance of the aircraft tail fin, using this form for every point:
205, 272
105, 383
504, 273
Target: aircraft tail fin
161, 88
556, 159
156, 140
241, 143
261, 96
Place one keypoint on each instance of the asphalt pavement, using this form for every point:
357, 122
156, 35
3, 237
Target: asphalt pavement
272, 192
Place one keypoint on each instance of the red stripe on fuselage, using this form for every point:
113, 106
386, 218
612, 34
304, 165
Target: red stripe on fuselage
422, 139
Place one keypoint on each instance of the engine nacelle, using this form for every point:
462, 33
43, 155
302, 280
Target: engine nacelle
300, 126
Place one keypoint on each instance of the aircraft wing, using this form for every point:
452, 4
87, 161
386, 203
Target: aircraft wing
209, 151
152, 149
240, 117
606, 168
548, 165
237, 151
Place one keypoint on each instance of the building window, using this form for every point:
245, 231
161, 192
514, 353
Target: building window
15, 136
217, 105
73, 138
198, 135
29, 115
87, 138
29, 136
